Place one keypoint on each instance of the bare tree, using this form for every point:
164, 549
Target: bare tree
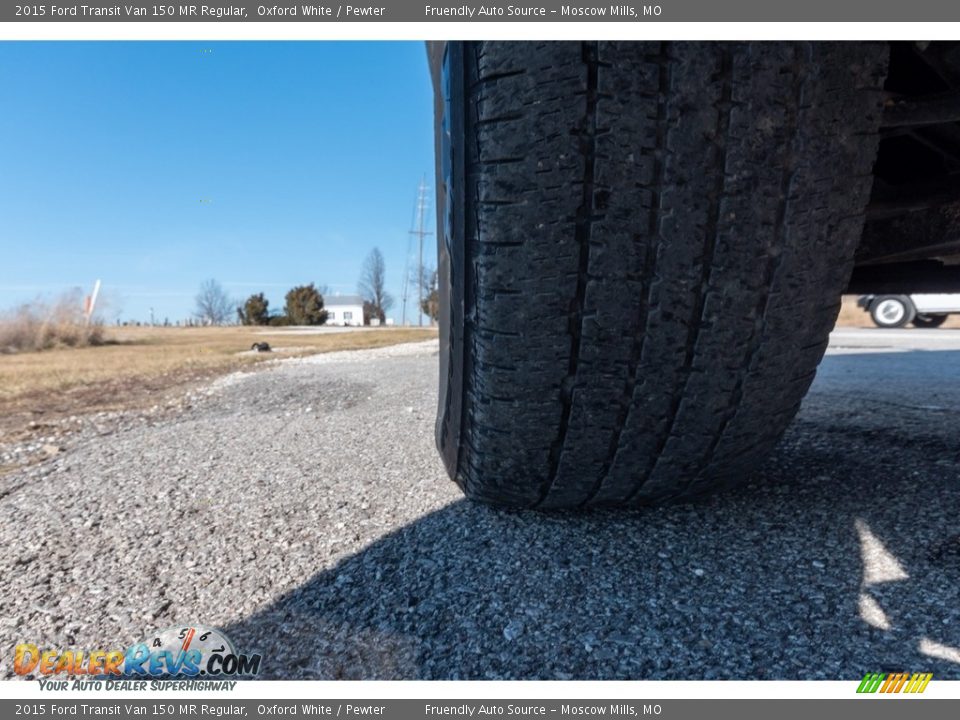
213, 305
372, 286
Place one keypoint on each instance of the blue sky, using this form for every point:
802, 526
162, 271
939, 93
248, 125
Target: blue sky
156, 165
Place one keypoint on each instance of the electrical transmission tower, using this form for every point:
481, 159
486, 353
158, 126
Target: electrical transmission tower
420, 233
406, 267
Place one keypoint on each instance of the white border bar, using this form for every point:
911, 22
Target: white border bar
475, 31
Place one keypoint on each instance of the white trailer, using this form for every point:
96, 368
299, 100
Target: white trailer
926, 310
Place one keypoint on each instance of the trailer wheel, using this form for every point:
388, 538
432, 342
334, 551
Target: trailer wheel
929, 321
892, 311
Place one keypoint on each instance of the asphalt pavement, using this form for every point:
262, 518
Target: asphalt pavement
303, 509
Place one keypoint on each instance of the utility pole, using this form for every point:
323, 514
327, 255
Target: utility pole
420, 233
90, 303
406, 283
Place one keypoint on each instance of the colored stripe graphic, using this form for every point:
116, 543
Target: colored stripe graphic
890, 682
900, 682
871, 682
894, 682
918, 683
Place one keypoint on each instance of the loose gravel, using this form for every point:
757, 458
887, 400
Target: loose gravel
303, 509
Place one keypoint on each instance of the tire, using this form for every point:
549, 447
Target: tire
929, 321
892, 311
642, 256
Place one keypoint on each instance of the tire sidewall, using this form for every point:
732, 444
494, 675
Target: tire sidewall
448, 68
929, 321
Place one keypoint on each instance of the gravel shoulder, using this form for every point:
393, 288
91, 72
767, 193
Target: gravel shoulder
303, 508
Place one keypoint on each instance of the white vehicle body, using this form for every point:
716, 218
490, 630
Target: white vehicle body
927, 310
937, 303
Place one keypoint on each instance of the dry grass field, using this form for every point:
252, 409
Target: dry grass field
141, 366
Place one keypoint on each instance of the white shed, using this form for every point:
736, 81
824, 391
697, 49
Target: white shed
344, 309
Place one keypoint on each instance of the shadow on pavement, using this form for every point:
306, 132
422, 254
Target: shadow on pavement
841, 556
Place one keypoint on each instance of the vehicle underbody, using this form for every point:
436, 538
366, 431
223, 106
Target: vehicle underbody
911, 239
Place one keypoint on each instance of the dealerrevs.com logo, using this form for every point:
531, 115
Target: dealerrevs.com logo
192, 651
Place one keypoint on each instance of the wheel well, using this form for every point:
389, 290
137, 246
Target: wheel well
912, 231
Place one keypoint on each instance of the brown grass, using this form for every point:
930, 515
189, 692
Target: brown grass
141, 366
42, 326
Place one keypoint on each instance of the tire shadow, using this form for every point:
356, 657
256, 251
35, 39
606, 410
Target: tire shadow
841, 556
